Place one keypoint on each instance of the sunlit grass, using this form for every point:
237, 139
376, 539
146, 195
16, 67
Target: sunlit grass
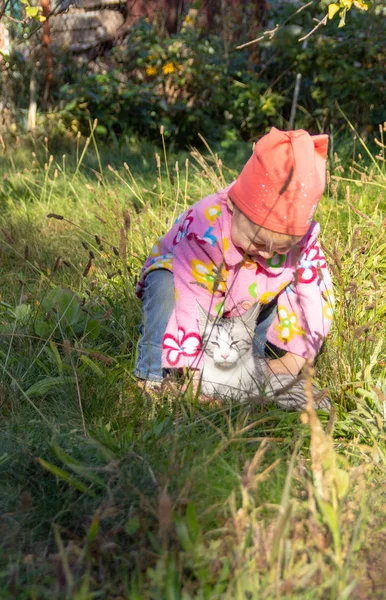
106, 492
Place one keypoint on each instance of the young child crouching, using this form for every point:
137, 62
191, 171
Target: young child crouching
254, 241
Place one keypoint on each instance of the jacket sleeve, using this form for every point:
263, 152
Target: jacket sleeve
305, 307
199, 277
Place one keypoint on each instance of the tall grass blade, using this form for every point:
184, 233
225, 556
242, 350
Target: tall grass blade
66, 477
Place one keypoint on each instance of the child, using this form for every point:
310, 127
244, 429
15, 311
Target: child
253, 241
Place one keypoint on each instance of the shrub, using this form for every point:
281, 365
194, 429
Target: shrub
198, 82
182, 82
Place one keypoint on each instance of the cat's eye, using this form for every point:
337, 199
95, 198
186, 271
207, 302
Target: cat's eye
215, 344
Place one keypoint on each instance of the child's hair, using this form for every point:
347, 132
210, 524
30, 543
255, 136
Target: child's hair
282, 239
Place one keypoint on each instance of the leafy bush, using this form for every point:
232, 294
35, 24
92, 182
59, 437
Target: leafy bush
183, 83
198, 82
338, 65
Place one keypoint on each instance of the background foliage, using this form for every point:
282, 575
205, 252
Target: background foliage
197, 81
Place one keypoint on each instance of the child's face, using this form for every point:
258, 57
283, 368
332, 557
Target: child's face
255, 240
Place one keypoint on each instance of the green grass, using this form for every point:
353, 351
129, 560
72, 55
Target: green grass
107, 495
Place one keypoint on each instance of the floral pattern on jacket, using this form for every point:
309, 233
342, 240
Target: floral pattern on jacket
208, 268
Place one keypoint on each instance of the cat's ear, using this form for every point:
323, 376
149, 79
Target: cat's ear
203, 317
250, 317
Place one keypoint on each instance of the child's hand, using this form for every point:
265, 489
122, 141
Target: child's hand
289, 363
193, 377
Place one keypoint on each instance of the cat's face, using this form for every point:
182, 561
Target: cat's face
226, 343
227, 340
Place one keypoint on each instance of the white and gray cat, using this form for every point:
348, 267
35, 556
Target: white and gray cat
230, 369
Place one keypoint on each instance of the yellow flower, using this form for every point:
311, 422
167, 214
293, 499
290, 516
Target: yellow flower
209, 276
328, 308
188, 20
361, 5
151, 71
168, 69
288, 325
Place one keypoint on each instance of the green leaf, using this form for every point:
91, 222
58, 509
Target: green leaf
57, 357
32, 11
342, 481
22, 312
5, 305
42, 329
76, 466
132, 526
172, 586
42, 387
71, 105
66, 303
342, 15
332, 10
330, 516
64, 476
101, 130
3, 458
183, 534
64, 457
93, 530
93, 328
93, 366
191, 517
68, 306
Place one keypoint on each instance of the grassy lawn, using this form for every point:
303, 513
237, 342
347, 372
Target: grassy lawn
105, 494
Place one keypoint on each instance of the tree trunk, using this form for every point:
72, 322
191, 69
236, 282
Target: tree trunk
173, 12
211, 8
260, 12
32, 102
47, 46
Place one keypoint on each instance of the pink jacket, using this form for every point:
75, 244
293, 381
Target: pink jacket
209, 269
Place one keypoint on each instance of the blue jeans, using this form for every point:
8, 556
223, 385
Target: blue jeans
157, 306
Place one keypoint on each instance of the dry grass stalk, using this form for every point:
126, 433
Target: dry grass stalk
123, 244
323, 457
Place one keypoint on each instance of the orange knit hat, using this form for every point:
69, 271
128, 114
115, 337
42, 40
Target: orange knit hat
281, 184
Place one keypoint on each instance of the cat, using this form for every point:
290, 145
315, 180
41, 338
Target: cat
230, 370
229, 367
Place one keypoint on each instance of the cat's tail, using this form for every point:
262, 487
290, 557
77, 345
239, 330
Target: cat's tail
288, 391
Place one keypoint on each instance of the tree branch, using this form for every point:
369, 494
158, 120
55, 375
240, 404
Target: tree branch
320, 23
271, 33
